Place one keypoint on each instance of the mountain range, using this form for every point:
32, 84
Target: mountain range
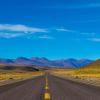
69, 63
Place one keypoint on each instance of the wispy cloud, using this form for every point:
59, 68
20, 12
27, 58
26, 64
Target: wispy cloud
12, 31
20, 28
46, 37
88, 33
64, 30
89, 5
77, 6
15, 31
10, 35
94, 39
90, 36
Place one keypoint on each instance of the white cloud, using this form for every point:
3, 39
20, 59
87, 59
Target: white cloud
46, 37
94, 39
64, 30
20, 28
12, 31
10, 35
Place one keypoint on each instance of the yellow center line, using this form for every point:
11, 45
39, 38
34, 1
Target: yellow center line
46, 94
46, 87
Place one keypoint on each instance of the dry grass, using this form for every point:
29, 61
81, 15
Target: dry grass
89, 75
17, 75
19, 72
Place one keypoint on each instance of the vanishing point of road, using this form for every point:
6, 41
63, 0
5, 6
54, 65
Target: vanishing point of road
49, 87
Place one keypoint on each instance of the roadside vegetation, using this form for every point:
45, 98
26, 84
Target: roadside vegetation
12, 73
89, 74
17, 75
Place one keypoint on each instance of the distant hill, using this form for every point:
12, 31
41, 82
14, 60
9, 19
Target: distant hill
71, 63
95, 64
6, 61
13, 67
91, 69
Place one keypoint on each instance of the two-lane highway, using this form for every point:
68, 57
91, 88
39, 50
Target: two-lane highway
49, 87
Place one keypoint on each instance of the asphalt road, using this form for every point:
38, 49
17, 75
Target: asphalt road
27, 90
59, 89
62, 89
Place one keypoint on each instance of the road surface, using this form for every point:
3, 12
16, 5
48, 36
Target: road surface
62, 89
29, 90
58, 89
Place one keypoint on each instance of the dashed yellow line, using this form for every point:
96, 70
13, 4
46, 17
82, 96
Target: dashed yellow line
47, 94
46, 87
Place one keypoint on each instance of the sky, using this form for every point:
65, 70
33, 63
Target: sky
56, 29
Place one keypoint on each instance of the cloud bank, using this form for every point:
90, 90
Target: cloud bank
8, 31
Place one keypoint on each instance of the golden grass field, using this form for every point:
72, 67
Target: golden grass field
90, 75
14, 76
17, 74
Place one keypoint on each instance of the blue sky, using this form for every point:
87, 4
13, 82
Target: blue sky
56, 29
